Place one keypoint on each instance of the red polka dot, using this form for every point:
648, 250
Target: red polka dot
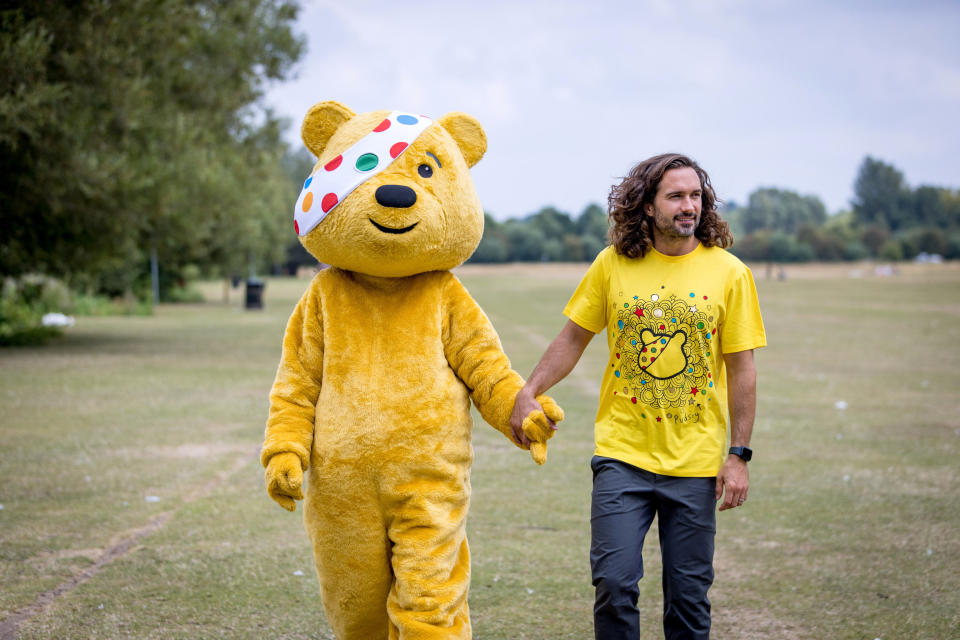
296, 227
328, 202
704, 297
633, 399
397, 149
618, 355
662, 327
383, 126
333, 164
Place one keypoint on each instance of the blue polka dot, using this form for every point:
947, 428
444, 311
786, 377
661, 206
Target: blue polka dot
307, 183
616, 373
643, 382
620, 324
405, 119
663, 341
711, 384
674, 321
689, 370
633, 342
692, 296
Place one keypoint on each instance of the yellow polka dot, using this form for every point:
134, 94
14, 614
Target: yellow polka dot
307, 201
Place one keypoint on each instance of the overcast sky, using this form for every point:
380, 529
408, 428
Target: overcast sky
790, 94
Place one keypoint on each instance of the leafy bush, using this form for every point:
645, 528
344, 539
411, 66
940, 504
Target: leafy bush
23, 303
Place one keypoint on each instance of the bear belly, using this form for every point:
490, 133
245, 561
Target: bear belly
398, 419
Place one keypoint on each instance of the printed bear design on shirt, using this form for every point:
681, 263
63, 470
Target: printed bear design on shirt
662, 355
663, 346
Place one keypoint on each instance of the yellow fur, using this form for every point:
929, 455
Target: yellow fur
380, 360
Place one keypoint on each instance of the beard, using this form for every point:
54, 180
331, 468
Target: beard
676, 226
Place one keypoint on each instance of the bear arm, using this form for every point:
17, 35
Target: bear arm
472, 348
293, 398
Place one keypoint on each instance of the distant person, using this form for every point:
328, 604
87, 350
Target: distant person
682, 320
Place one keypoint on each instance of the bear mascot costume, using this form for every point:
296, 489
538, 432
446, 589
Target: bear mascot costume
380, 359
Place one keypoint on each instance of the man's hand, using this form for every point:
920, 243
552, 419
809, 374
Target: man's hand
733, 482
523, 406
557, 361
539, 426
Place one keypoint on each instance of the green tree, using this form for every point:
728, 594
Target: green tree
551, 223
494, 246
781, 210
525, 242
881, 195
591, 226
127, 127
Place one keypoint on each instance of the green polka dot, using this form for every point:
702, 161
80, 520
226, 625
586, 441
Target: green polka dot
367, 161
699, 325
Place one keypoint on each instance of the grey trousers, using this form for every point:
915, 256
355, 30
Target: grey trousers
625, 501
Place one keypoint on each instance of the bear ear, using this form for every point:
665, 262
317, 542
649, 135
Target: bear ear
468, 134
321, 122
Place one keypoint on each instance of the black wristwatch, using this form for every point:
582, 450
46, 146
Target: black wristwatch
744, 452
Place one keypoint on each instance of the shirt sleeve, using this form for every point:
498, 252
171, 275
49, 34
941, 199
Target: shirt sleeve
588, 305
743, 326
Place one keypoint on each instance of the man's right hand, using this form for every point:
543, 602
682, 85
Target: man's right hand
525, 404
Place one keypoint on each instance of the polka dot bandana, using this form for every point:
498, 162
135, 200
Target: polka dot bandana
328, 185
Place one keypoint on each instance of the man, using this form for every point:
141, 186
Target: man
682, 320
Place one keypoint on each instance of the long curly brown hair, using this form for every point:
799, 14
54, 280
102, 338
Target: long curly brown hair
631, 229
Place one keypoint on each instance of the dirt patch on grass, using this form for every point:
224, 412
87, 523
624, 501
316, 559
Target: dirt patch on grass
119, 546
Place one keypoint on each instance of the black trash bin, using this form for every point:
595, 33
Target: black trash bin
254, 294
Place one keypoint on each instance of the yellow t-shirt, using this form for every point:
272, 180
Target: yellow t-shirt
669, 319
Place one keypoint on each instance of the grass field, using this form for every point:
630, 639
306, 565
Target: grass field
133, 505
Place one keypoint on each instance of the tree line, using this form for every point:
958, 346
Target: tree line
130, 129
888, 220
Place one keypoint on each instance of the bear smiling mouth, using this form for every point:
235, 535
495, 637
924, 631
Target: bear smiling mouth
391, 229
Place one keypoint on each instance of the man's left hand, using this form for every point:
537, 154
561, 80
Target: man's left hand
733, 482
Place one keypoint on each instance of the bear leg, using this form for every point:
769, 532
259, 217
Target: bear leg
431, 561
352, 555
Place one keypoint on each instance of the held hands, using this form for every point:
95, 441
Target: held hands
533, 422
285, 480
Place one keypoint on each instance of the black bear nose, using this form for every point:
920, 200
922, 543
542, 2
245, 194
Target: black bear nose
395, 195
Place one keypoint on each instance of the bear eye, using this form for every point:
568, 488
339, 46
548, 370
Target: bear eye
425, 170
